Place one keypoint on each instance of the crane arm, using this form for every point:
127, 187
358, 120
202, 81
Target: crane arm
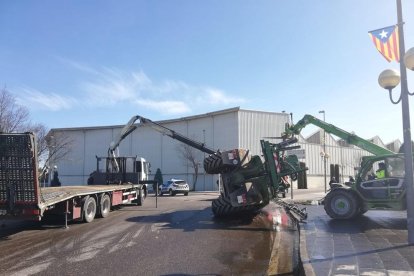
174, 135
125, 131
348, 137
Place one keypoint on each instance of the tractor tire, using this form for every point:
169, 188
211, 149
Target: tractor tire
341, 204
213, 164
222, 207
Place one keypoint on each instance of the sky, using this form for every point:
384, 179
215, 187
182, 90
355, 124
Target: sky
96, 63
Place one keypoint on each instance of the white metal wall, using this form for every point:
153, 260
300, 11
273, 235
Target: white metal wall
255, 126
217, 130
228, 129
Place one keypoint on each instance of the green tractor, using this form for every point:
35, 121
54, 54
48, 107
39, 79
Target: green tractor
367, 191
248, 182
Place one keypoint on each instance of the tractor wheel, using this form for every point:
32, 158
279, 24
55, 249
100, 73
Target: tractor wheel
104, 206
213, 164
341, 204
222, 208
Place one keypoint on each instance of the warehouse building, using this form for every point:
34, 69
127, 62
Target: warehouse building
224, 129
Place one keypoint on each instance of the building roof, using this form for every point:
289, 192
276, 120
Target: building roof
187, 118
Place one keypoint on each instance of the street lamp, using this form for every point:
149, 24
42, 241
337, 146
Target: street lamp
324, 150
389, 79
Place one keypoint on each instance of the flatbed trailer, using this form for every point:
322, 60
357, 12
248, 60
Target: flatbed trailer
21, 195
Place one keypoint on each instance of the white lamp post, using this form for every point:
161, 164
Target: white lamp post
389, 79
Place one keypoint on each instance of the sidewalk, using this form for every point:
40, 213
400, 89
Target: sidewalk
373, 244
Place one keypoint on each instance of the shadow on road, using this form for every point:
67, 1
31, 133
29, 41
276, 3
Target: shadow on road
191, 220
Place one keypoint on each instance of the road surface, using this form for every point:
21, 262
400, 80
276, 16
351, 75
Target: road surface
180, 237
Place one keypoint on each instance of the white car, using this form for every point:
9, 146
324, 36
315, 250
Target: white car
173, 187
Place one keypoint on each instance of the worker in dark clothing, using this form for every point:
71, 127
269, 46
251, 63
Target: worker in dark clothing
333, 180
55, 180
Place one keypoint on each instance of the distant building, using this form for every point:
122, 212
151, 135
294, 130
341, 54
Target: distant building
223, 129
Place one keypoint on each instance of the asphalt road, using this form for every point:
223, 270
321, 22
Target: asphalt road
180, 237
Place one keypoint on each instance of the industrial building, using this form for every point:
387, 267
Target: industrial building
224, 129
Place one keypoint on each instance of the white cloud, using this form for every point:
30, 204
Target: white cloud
218, 97
165, 107
102, 87
50, 101
78, 65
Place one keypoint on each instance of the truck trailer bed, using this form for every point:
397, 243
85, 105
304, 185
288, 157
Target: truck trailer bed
53, 195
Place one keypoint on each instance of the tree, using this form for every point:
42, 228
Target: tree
158, 178
16, 118
189, 157
13, 117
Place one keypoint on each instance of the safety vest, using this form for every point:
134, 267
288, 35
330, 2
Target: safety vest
380, 174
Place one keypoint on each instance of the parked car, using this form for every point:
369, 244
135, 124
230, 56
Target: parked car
173, 187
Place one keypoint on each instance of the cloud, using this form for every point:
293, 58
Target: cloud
49, 101
108, 87
165, 107
77, 65
218, 97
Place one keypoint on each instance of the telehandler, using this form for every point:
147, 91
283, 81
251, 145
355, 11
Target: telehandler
354, 198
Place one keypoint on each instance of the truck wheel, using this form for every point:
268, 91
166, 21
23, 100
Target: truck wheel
222, 207
341, 204
89, 209
141, 197
104, 206
213, 164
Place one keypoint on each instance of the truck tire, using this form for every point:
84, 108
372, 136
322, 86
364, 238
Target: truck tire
341, 204
222, 207
141, 197
104, 206
89, 209
213, 164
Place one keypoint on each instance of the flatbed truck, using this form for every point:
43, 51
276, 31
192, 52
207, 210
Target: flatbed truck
22, 196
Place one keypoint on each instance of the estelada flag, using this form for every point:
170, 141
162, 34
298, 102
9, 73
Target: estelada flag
386, 42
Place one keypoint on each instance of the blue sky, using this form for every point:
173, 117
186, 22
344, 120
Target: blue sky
93, 63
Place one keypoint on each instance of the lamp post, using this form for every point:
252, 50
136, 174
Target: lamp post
389, 79
324, 150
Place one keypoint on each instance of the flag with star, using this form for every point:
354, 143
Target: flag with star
386, 42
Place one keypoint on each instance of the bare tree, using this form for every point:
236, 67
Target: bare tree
16, 118
13, 117
189, 157
58, 146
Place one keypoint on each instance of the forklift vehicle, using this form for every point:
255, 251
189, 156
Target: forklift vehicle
248, 182
365, 192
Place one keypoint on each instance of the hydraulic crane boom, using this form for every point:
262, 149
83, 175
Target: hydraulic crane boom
171, 133
130, 127
348, 137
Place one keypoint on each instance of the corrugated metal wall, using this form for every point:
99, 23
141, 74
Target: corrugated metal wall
255, 125
348, 158
223, 130
217, 130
